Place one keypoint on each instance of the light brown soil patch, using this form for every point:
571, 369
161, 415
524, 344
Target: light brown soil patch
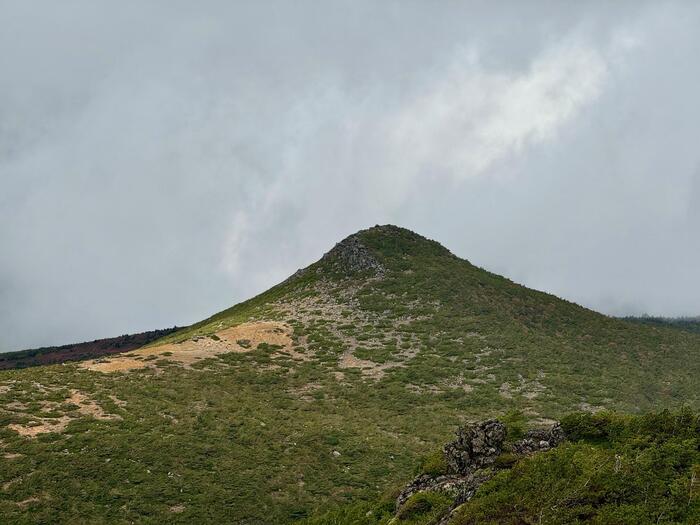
88, 407
12, 455
43, 426
27, 502
8, 484
15, 405
117, 401
242, 338
371, 369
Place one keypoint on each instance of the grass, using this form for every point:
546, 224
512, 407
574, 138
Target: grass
614, 469
249, 437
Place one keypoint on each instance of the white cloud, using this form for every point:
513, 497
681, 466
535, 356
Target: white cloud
188, 158
470, 117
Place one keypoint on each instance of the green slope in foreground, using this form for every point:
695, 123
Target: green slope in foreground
611, 470
392, 341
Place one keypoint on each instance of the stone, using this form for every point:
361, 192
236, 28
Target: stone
471, 457
476, 446
351, 255
539, 440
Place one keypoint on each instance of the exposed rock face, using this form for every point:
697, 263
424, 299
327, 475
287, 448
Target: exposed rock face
471, 457
539, 440
459, 488
351, 256
476, 446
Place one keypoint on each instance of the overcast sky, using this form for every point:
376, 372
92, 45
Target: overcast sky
162, 160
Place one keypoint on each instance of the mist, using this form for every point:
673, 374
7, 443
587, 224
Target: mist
160, 161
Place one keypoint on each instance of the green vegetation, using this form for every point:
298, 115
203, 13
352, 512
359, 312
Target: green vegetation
615, 469
619, 470
382, 368
689, 324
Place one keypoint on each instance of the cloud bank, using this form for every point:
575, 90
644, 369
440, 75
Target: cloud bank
160, 162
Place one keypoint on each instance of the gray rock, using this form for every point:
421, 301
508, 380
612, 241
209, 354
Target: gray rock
351, 256
470, 458
476, 446
539, 440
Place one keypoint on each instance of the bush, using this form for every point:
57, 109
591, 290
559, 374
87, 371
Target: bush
434, 464
421, 504
586, 426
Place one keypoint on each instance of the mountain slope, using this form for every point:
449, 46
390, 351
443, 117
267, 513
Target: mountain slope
324, 388
80, 351
592, 468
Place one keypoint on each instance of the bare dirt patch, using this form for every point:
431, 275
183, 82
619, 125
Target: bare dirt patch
42, 425
242, 338
27, 502
88, 407
120, 403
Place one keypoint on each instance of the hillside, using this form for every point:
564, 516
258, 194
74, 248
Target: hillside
592, 468
689, 324
80, 351
326, 388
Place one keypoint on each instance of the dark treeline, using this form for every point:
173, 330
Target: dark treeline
80, 351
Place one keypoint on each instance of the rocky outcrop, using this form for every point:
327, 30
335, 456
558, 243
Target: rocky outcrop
539, 440
472, 459
351, 256
476, 446
458, 487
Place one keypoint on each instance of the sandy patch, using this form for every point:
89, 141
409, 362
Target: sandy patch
12, 455
120, 403
88, 407
528, 389
371, 369
305, 392
15, 406
8, 484
27, 502
43, 425
242, 338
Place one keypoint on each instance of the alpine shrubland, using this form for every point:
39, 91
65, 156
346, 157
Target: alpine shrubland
325, 390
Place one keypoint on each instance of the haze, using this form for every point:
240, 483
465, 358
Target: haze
161, 161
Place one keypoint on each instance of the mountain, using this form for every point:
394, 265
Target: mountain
326, 388
689, 324
80, 351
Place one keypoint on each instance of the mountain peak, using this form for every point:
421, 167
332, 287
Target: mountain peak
351, 255
373, 248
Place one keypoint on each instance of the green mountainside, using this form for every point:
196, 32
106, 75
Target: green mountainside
689, 324
599, 468
325, 389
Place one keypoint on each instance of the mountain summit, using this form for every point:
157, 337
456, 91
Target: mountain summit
324, 387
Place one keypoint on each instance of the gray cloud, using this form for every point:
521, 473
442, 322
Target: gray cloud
160, 161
